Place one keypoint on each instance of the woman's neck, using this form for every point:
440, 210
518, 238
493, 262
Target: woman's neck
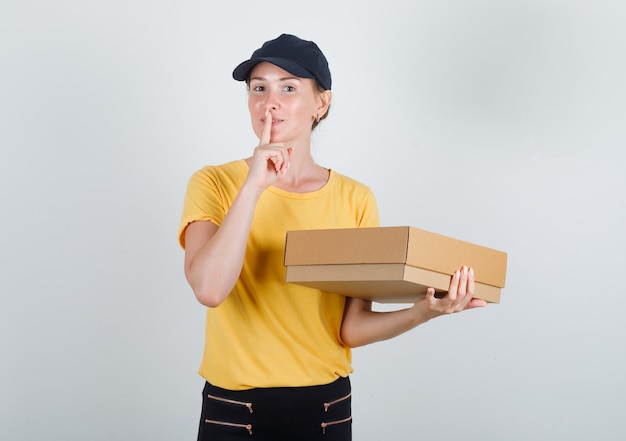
303, 176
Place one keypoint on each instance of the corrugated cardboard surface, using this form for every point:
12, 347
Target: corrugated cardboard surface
389, 264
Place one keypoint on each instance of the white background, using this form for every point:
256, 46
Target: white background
496, 122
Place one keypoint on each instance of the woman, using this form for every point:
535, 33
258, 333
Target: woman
277, 356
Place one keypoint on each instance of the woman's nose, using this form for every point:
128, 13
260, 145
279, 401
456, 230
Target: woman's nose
271, 102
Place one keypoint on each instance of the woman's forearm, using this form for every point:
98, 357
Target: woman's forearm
214, 256
362, 326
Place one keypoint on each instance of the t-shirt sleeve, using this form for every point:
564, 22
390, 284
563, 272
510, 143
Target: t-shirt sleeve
203, 201
370, 216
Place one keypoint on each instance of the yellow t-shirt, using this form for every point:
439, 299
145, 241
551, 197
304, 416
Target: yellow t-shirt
269, 333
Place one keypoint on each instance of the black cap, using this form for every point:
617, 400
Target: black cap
299, 57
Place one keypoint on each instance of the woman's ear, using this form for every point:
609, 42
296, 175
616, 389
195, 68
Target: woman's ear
325, 98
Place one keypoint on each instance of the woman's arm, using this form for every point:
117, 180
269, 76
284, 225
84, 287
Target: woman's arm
362, 326
214, 256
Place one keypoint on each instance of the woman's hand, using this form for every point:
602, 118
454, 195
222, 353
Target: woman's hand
362, 326
214, 256
459, 297
269, 160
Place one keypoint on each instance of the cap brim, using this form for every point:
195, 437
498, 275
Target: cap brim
242, 72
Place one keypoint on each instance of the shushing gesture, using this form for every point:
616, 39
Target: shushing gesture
269, 160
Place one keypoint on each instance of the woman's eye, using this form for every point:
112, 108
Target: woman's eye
258, 88
289, 89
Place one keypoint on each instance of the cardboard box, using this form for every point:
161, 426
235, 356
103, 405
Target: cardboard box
389, 264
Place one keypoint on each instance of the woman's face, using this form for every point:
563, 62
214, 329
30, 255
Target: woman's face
294, 103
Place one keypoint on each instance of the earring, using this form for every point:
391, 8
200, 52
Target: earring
317, 119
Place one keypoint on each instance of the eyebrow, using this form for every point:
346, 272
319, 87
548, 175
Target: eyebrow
280, 79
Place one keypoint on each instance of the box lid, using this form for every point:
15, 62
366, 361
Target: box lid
408, 245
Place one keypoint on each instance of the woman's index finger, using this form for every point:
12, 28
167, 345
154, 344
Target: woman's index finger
266, 136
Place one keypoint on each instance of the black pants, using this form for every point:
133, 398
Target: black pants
284, 413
